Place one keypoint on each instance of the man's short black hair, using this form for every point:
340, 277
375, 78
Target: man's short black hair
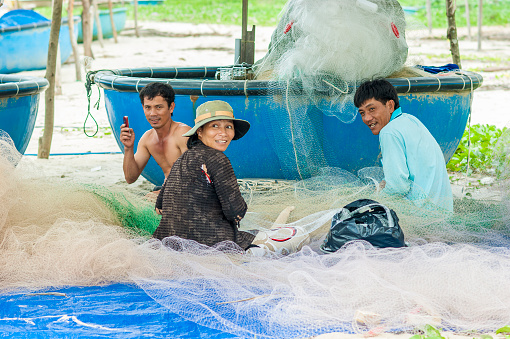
153, 89
378, 89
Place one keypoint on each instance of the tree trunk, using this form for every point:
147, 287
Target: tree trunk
452, 31
97, 20
468, 19
86, 29
480, 17
74, 44
112, 21
45, 140
137, 33
58, 73
429, 16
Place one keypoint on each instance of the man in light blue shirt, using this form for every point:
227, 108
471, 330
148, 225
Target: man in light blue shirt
413, 163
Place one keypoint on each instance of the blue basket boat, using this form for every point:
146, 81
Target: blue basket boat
443, 104
148, 2
119, 18
19, 102
24, 40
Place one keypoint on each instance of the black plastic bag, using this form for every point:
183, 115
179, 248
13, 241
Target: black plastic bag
367, 220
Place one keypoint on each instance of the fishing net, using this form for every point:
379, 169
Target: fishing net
324, 48
319, 52
453, 274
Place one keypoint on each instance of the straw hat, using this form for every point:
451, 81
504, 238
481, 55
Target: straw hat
218, 110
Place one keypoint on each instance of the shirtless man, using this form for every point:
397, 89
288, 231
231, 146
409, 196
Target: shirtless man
164, 142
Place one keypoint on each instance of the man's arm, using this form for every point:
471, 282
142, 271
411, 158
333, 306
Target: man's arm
133, 164
396, 172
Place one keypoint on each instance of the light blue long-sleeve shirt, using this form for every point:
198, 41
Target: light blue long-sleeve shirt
413, 162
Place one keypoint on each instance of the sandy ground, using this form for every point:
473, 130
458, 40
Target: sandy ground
177, 44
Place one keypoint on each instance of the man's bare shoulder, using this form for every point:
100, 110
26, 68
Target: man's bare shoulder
146, 137
181, 129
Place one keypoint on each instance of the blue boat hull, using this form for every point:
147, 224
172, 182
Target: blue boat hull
444, 115
19, 102
27, 49
149, 2
17, 118
270, 149
119, 18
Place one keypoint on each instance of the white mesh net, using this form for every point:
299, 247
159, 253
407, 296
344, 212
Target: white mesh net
453, 275
326, 47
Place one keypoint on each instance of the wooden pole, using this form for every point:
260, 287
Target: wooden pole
74, 44
114, 30
244, 32
86, 29
45, 140
58, 73
429, 15
451, 33
468, 20
97, 20
137, 33
247, 48
480, 17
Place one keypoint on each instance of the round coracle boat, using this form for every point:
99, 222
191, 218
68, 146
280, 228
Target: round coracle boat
291, 138
19, 102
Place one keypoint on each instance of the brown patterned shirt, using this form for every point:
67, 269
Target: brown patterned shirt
201, 200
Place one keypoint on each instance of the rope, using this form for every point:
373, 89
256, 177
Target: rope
338, 89
469, 131
439, 87
202, 88
292, 129
88, 86
264, 185
408, 88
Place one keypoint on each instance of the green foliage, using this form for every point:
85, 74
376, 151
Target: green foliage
504, 329
265, 12
227, 12
430, 332
494, 12
483, 156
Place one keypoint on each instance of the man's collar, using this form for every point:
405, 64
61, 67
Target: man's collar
396, 113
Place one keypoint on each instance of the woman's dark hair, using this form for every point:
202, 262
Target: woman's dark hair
378, 89
154, 89
192, 141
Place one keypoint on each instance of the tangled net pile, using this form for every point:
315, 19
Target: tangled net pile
323, 49
454, 274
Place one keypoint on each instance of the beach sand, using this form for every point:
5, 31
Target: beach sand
181, 44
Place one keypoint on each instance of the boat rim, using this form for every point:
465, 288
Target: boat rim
33, 25
13, 85
201, 81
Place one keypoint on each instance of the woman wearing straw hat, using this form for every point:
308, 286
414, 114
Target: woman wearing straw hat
200, 199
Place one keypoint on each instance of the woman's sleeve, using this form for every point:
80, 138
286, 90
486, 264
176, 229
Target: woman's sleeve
225, 183
159, 200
